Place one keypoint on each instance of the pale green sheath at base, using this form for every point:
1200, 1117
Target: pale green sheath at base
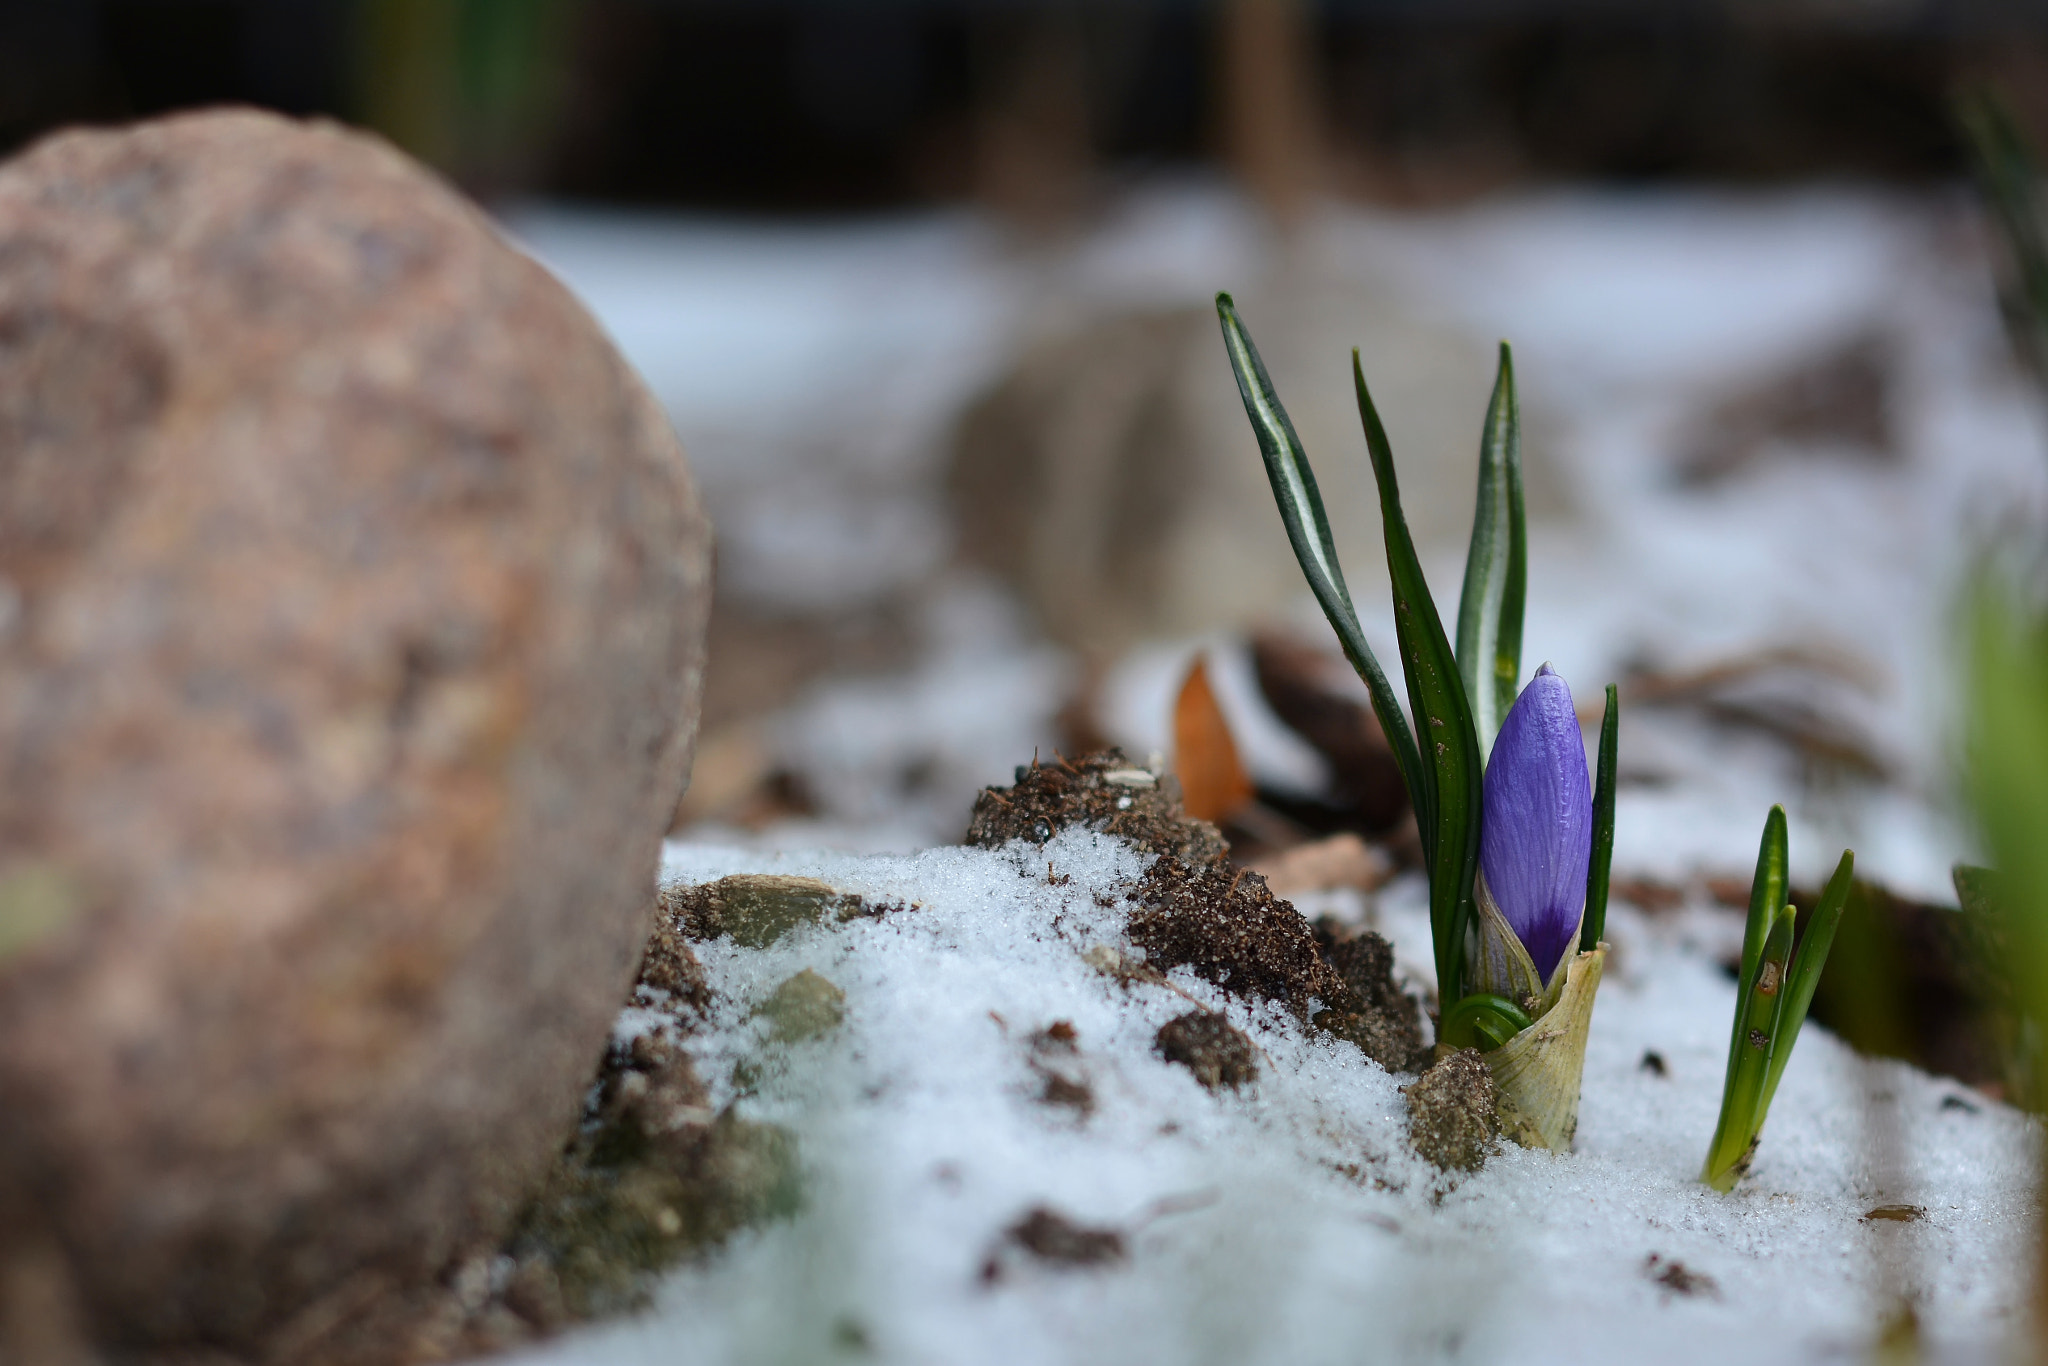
1537, 1072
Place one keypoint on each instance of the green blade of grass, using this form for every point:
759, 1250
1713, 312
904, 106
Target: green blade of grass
1749, 1062
1496, 566
1805, 973
1308, 531
1766, 896
1759, 1013
2008, 776
1597, 871
1443, 716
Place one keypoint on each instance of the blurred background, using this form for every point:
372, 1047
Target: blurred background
925, 285
1036, 107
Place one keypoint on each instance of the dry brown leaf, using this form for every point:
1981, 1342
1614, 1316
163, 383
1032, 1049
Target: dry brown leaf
1296, 680
1212, 779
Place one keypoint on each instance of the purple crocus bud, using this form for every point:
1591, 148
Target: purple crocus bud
1536, 821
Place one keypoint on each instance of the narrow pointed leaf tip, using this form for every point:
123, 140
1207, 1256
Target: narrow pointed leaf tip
1496, 565
1447, 808
1536, 832
1595, 926
1308, 532
1775, 988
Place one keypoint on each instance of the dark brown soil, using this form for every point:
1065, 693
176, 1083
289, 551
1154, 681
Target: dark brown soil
668, 966
1208, 1045
1056, 1061
1680, 1279
1225, 924
1451, 1116
1104, 791
1195, 909
1384, 1021
1052, 1237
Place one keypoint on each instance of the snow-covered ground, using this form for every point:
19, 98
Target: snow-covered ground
814, 371
1288, 1222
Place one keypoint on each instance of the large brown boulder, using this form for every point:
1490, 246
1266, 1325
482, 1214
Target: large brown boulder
352, 591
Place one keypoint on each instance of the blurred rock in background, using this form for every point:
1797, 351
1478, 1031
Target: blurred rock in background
1112, 478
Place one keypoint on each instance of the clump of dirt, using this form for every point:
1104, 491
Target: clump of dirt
756, 909
1230, 928
667, 965
1196, 909
804, 1007
1208, 1045
1452, 1119
1381, 1019
1225, 924
1680, 1279
1053, 1238
1056, 1062
1104, 791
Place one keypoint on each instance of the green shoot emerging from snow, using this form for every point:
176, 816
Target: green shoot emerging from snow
1773, 992
1515, 837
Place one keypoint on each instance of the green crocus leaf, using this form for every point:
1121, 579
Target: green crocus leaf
1775, 989
1308, 531
1443, 717
2008, 775
1598, 869
1482, 1021
1768, 931
1804, 976
1496, 566
1766, 896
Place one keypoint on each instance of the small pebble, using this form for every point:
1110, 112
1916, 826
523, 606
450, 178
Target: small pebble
804, 1007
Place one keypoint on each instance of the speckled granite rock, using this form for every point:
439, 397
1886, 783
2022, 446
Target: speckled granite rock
352, 591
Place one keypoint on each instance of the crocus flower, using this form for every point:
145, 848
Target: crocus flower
1535, 840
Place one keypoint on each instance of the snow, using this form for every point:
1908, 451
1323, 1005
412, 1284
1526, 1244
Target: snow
1290, 1223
